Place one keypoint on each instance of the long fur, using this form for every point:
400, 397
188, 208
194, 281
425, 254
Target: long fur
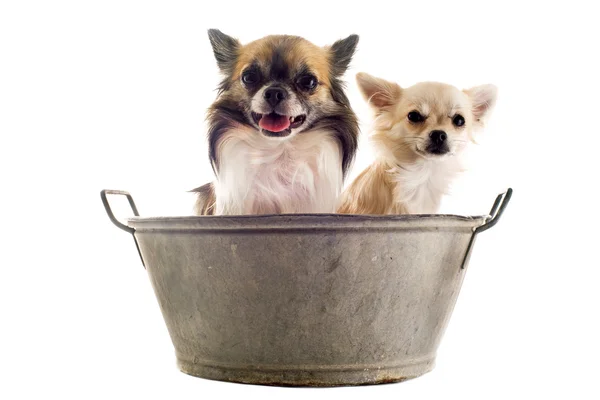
389, 188
405, 178
257, 174
296, 176
205, 200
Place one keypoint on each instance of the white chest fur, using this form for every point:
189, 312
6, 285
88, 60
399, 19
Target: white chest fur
261, 175
420, 186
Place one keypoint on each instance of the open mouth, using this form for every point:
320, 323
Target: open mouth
274, 124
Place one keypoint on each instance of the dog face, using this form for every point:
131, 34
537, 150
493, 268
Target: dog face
281, 86
430, 120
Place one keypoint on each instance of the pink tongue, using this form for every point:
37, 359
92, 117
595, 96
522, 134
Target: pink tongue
274, 122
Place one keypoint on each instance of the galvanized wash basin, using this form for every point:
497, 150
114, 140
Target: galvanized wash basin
306, 300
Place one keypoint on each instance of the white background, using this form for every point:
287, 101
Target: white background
112, 94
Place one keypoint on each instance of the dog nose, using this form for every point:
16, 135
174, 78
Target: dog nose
438, 137
274, 95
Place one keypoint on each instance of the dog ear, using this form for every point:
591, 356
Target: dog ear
483, 99
341, 54
225, 49
378, 92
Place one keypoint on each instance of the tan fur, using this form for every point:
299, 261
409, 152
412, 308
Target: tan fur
406, 178
206, 200
299, 51
372, 192
300, 166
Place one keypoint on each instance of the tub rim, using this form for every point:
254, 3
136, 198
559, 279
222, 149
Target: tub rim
296, 222
307, 222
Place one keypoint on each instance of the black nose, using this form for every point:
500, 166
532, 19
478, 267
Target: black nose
438, 137
274, 95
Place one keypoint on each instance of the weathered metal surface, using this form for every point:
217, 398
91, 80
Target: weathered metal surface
306, 300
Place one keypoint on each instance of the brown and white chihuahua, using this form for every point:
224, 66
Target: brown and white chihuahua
281, 133
419, 134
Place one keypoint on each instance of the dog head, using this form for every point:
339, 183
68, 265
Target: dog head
429, 120
280, 86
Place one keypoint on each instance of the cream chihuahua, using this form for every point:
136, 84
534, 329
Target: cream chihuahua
419, 134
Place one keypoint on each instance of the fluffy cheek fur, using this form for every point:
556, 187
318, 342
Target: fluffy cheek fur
269, 176
301, 173
401, 181
405, 179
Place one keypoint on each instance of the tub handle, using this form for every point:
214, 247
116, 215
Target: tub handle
495, 213
114, 220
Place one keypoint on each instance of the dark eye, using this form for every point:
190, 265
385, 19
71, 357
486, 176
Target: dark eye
415, 116
458, 120
307, 82
250, 77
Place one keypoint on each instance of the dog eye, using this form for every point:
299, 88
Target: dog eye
307, 82
250, 77
415, 116
458, 120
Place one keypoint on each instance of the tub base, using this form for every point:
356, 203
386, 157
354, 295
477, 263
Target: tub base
318, 376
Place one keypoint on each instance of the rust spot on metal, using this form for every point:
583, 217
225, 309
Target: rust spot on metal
390, 379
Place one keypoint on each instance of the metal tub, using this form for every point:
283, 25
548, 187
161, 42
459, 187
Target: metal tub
306, 300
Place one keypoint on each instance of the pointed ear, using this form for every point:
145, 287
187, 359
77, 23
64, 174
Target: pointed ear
341, 54
378, 92
483, 100
225, 49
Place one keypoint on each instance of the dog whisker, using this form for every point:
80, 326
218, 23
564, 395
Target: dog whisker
274, 149
418, 155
